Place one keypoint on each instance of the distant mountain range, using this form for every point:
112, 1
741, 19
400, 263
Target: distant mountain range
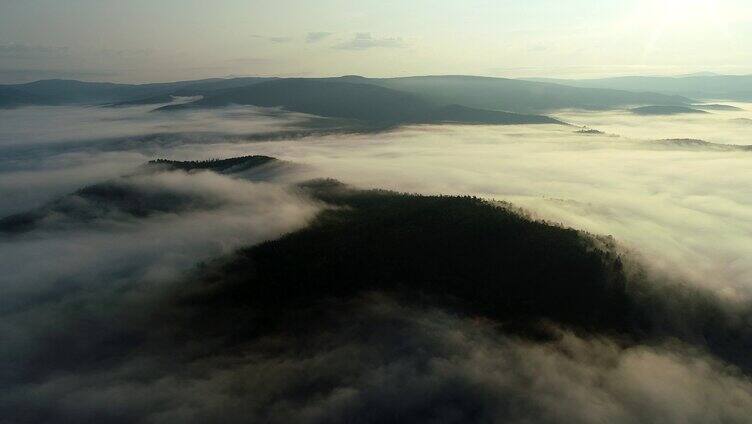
697, 86
477, 92
428, 99
521, 96
342, 98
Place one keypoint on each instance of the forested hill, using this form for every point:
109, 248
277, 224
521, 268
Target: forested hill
463, 252
217, 165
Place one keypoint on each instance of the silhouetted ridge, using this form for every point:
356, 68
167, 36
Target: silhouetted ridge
217, 165
357, 101
66, 92
498, 94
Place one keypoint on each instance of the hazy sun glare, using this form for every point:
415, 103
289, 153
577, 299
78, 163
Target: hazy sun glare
666, 20
684, 11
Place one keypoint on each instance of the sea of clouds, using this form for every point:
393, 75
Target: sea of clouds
684, 210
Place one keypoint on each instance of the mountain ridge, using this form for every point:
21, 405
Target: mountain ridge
491, 93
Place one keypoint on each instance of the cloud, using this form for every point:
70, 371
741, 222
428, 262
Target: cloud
101, 257
233, 213
24, 75
364, 41
28, 62
626, 186
684, 209
315, 37
82, 146
114, 54
381, 361
76, 127
94, 326
249, 61
28, 51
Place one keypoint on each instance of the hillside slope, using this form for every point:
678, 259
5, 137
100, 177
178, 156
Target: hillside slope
357, 101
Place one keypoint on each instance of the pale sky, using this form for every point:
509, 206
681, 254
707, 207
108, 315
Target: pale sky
164, 40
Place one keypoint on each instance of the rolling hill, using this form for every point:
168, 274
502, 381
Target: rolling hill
123, 199
368, 103
320, 97
519, 271
70, 92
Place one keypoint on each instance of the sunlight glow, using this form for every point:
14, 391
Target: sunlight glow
669, 17
685, 11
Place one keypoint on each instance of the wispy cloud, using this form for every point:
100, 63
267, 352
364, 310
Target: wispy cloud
28, 51
21, 75
364, 40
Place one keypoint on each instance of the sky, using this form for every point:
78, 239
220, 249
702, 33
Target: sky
143, 41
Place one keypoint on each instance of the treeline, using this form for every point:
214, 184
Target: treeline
216, 165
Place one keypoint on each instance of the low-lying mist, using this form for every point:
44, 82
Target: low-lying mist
717, 126
83, 258
389, 362
49, 151
38, 125
685, 208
